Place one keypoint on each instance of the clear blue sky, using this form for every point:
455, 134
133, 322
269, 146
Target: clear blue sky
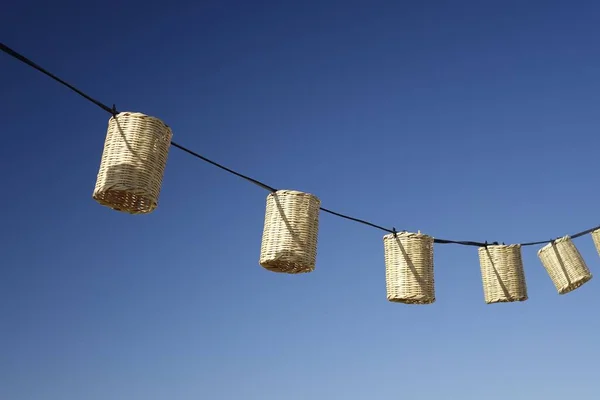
469, 120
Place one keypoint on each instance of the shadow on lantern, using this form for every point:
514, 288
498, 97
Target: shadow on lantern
565, 265
126, 188
502, 274
409, 270
290, 233
500, 281
411, 266
133, 162
299, 244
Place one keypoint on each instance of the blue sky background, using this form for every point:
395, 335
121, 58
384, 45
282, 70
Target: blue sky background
470, 120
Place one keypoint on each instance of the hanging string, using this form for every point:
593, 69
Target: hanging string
113, 111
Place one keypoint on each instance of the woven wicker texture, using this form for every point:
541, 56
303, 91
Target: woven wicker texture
596, 239
409, 268
289, 241
564, 264
133, 163
502, 273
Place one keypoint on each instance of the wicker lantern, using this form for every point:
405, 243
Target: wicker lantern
289, 241
133, 163
502, 273
564, 264
596, 239
409, 268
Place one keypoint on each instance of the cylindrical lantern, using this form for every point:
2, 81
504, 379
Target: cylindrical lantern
409, 268
564, 264
596, 239
289, 241
502, 273
133, 163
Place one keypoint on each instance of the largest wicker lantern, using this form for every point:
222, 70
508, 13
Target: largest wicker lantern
502, 273
409, 274
133, 163
289, 241
564, 264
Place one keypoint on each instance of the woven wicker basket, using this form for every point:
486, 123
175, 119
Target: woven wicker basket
289, 241
133, 163
409, 274
564, 264
502, 273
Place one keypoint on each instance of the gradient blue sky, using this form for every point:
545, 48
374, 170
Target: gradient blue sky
472, 120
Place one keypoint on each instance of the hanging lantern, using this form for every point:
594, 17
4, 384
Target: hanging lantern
596, 239
502, 273
133, 163
564, 264
289, 241
409, 268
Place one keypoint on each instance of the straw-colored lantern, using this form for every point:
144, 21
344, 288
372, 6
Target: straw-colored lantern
409, 268
596, 239
502, 273
289, 241
564, 264
133, 163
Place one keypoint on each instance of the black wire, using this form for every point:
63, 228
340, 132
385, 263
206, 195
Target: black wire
461, 242
357, 220
113, 111
258, 183
27, 61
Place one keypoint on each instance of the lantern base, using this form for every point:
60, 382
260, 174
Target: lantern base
507, 300
124, 201
575, 284
285, 266
411, 300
